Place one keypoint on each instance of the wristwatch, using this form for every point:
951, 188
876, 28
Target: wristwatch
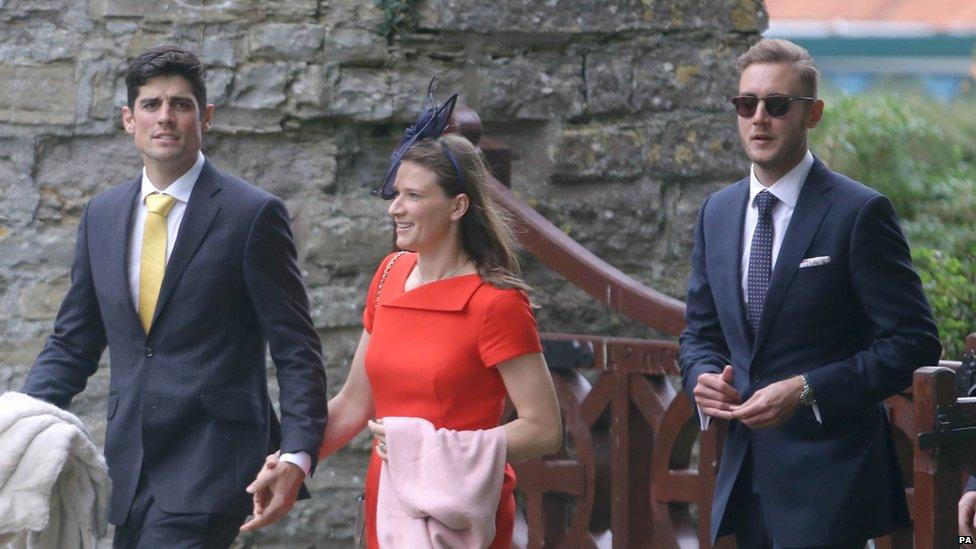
806, 394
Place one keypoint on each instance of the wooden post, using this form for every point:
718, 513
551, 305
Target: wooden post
937, 483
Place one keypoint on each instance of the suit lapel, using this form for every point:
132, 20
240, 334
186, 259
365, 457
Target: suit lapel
811, 208
197, 219
728, 250
121, 230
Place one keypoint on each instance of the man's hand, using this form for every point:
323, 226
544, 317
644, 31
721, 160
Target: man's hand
274, 490
715, 395
772, 405
967, 514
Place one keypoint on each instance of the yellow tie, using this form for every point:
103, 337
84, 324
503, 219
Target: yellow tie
153, 262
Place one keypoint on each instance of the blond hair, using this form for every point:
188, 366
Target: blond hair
777, 50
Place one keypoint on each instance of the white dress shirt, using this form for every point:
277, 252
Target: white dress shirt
181, 189
787, 191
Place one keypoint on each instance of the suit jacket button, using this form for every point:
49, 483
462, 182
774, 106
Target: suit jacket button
756, 379
149, 352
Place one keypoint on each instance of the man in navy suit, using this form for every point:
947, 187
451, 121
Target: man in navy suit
187, 274
803, 314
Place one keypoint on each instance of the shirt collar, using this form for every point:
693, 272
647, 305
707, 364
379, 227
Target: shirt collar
179, 189
787, 189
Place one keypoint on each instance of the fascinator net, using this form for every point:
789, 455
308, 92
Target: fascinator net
431, 123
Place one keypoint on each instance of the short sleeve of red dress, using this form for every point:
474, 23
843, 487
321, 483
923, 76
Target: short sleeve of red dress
370, 309
509, 329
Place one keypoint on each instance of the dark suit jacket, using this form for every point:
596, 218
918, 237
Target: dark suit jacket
189, 400
857, 327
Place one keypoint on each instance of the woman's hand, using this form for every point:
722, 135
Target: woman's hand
376, 426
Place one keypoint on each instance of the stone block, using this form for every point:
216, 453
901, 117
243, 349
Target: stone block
172, 11
539, 87
694, 147
598, 154
698, 76
371, 95
137, 39
363, 95
232, 120
748, 16
61, 27
364, 158
337, 307
260, 86
108, 93
286, 41
288, 166
31, 254
609, 77
743, 16
311, 90
618, 223
18, 193
680, 204
408, 87
346, 237
218, 49
553, 17
41, 301
38, 94
569, 17
19, 348
11, 377
286, 10
353, 14
73, 169
219, 83
354, 46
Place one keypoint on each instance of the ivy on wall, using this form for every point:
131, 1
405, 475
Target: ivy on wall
399, 14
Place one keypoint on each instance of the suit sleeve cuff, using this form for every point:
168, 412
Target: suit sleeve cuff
301, 459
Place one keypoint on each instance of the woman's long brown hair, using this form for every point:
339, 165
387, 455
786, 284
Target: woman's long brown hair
486, 229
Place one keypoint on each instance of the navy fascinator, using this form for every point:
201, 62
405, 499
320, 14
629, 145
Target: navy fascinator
431, 123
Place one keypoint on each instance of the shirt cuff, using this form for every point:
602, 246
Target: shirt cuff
703, 420
301, 459
816, 412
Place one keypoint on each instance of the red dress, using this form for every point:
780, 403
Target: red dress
432, 353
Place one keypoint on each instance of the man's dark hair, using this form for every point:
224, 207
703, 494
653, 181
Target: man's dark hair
166, 61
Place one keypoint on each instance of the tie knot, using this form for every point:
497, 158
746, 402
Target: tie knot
160, 203
765, 201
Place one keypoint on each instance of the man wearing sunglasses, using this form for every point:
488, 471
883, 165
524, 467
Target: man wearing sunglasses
803, 314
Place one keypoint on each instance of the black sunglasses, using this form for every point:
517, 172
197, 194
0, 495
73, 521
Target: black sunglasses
776, 105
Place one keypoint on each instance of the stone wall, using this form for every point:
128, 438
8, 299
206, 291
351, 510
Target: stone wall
614, 110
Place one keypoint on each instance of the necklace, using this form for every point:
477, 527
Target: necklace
448, 275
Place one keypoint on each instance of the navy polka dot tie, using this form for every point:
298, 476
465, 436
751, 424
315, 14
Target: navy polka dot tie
760, 260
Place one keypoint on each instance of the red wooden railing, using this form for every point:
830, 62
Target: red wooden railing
629, 474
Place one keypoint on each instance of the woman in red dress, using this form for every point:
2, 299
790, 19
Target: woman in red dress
448, 328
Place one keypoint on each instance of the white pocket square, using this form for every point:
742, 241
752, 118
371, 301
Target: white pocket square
815, 261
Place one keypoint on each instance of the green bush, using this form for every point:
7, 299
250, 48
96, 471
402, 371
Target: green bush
948, 283
922, 156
